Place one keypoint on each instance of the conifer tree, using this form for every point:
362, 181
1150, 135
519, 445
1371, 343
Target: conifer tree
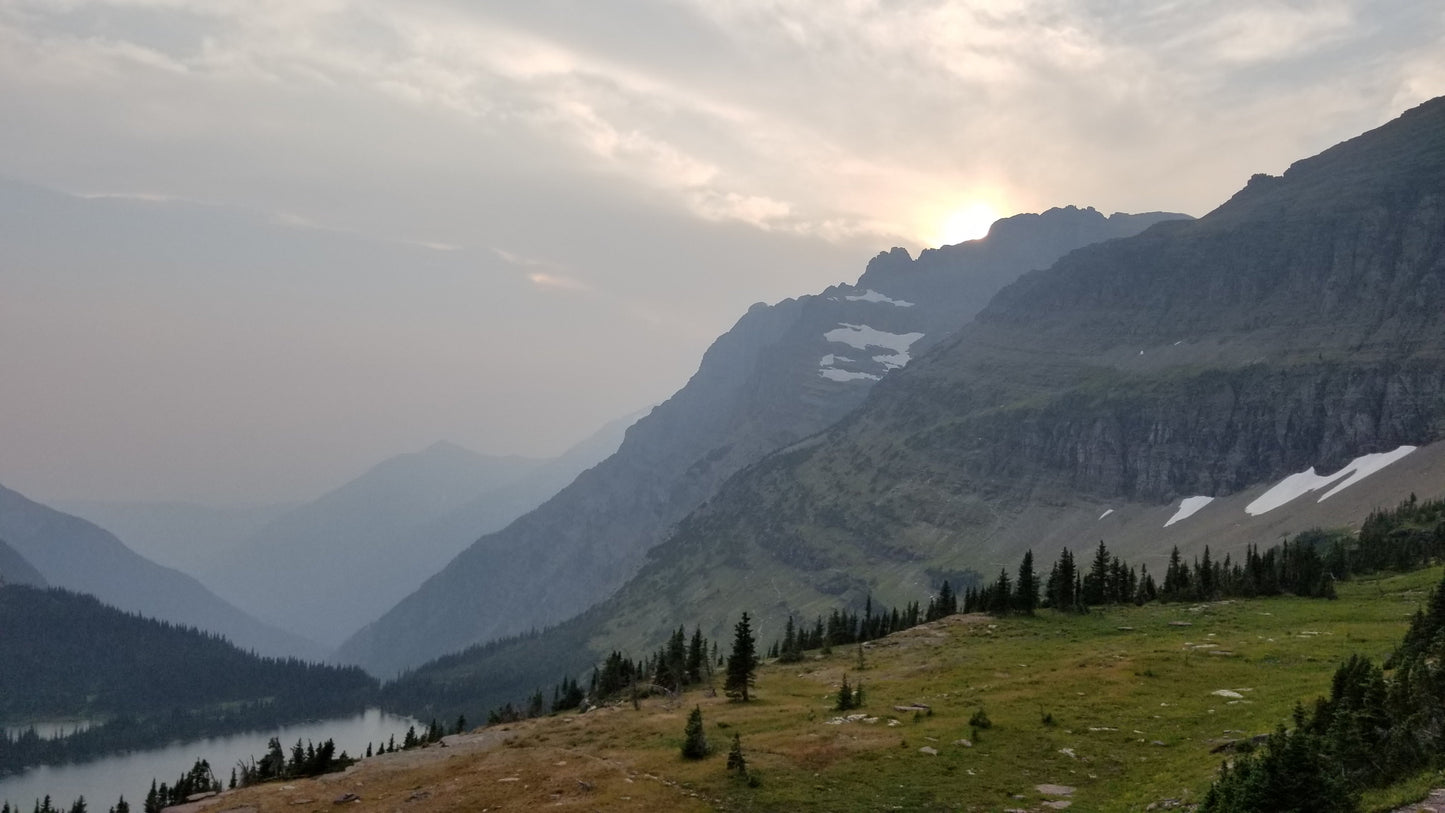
1096, 581
694, 740
735, 756
696, 654
844, 701
1026, 589
743, 662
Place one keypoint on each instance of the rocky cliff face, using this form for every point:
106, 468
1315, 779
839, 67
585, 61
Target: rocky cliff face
782, 373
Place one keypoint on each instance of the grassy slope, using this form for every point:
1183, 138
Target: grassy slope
1114, 693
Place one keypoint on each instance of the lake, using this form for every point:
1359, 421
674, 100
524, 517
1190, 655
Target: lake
103, 780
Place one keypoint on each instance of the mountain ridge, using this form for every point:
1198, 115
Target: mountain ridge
780, 374
78, 555
361, 547
1053, 408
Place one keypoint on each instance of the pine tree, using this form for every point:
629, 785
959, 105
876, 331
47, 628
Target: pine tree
844, 701
696, 654
1000, 599
743, 662
1096, 581
694, 740
1026, 589
735, 756
791, 651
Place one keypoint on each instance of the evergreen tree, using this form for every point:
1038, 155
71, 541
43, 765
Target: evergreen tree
1096, 581
1026, 589
735, 756
694, 740
1001, 596
743, 662
696, 654
844, 701
792, 650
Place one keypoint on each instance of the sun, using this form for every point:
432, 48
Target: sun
968, 223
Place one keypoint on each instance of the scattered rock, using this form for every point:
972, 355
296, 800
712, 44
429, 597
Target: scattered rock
1054, 790
966, 743
346, 798
1058, 804
1068, 752
1181, 623
1233, 695
929, 750
418, 795
913, 707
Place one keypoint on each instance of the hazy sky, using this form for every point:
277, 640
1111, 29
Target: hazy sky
298, 236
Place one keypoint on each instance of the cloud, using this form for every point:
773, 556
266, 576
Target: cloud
556, 282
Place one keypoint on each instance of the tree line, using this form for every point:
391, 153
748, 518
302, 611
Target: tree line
65, 654
682, 663
1372, 730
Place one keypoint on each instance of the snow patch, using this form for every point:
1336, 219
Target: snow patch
892, 361
1188, 507
1106, 513
862, 337
1298, 485
871, 295
834, 374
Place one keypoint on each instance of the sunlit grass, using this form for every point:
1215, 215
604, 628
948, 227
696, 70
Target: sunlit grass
1130, 693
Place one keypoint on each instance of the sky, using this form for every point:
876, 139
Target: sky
250, 248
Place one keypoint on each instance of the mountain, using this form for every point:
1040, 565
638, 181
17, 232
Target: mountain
780, 374
15, 570
185, 536
1213, 382
77, 555
1295, 327
325, 568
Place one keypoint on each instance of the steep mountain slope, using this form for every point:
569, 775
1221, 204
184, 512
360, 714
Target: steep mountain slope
77, 555
782, 373
315, 568
354, 552
15, 570
1281, 337
182, 535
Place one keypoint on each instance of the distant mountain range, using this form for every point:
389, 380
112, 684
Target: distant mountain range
185, 536
782, 373
1207, 382
325, 568
72, 553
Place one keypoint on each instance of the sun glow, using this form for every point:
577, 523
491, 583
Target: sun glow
968, 223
